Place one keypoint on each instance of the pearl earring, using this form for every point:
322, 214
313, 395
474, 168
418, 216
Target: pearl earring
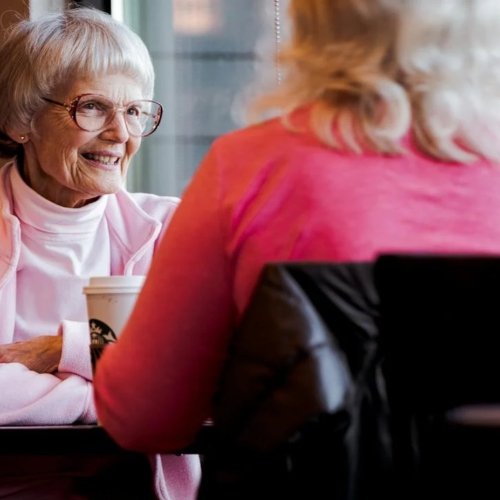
23, 138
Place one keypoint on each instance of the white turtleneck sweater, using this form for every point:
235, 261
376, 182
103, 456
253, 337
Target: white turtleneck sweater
60, 249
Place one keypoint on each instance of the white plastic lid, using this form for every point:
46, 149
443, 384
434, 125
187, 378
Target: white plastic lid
103, 284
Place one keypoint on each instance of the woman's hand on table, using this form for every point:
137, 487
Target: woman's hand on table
41, 354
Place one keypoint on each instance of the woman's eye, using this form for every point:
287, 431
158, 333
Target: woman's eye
93, 106
133, 111
88, 106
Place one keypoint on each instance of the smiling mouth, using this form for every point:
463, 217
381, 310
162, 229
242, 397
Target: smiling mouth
106, 160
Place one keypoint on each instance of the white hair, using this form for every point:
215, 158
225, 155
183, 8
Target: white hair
56, 49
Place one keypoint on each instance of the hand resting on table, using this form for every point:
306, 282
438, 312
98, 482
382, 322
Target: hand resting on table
41, 354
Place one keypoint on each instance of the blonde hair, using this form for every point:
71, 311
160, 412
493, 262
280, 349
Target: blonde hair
38, 57
374, 70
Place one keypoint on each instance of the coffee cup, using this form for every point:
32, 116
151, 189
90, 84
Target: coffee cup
110, 301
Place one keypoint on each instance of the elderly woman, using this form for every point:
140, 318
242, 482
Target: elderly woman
76, 91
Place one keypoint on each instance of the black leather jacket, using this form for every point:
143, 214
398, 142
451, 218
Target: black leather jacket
290, 420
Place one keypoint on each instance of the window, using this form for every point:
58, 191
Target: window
204, 53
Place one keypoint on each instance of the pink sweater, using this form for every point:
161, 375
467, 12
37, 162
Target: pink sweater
265, 194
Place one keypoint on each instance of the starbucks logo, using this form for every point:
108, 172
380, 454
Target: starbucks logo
100, 332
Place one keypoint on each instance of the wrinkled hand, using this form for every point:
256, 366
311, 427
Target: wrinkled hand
41, 354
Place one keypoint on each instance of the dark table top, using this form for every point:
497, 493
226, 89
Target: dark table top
73, 440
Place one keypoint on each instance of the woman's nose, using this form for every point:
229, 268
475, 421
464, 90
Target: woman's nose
116, 129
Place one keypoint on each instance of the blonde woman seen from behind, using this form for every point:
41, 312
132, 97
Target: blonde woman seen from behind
386, 141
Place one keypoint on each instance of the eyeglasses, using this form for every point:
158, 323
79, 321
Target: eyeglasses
93, 112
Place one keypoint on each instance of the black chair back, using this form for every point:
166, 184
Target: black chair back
439, 321
340, 376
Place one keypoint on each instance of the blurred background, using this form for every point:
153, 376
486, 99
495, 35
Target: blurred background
206, 54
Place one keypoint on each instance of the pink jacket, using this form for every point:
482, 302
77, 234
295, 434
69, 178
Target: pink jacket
136, 222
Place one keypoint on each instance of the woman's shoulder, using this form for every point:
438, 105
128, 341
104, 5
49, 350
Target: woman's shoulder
149, 199
284, 133
158, 207
258, 132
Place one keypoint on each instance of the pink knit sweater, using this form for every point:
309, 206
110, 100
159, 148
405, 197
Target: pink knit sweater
266, 194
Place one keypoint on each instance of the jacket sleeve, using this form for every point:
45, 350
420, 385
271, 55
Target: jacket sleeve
75, 352
30, 398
